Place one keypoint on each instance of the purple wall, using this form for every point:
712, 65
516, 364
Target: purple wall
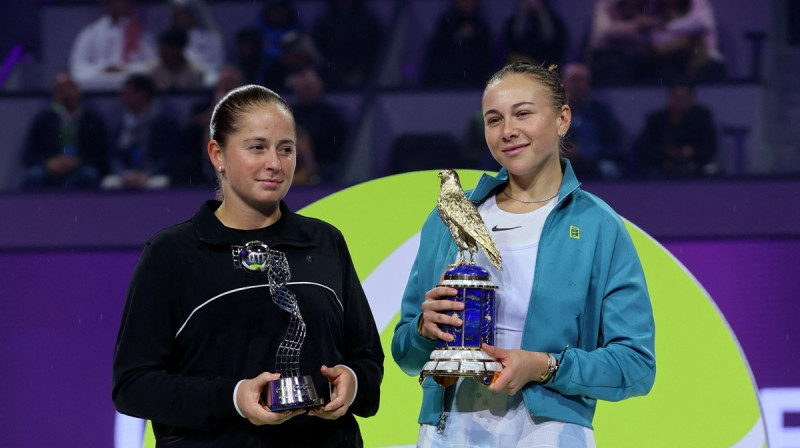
755, 284
59, 316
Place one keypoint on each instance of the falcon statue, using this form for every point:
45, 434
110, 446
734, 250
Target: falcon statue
462, 218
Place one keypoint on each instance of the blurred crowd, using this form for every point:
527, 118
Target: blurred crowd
667, 42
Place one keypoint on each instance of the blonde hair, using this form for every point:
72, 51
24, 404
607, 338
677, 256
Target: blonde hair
548, 77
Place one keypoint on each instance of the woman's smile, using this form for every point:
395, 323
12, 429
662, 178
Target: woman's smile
515, 149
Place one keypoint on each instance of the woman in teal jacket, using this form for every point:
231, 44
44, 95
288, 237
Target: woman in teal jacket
574, 320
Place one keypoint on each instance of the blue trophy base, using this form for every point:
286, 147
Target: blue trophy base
463, 357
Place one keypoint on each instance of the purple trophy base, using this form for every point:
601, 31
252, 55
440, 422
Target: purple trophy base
292, 392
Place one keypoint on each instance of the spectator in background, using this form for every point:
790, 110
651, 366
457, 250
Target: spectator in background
594, 143
459, 53
306, 170
192, 167
276, 19
678, 140
172, 70
349, 37
298, 53
249, 57
536, 34
145, 142
67, 143
684, 45
205, 47
324, 122
618, 41
112, 47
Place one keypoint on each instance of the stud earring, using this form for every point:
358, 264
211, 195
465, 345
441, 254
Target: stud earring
219, 168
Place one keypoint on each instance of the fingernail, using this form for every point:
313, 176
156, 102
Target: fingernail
458, 322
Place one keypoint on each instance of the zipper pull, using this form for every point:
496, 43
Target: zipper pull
442, 422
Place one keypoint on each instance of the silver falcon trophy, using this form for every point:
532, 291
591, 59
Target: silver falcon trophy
292, 390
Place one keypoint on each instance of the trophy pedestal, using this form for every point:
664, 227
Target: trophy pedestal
463, 356
447, 366
293, 392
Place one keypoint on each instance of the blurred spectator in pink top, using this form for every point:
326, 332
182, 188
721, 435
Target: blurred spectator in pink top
618, 41
685, 44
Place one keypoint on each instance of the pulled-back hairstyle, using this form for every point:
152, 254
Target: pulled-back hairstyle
229, 110
237, 102
548, 77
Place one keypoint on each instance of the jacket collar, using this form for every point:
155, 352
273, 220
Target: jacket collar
488, 183
289, 229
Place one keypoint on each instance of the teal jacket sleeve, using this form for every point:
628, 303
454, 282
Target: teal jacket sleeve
624, 363
410, 350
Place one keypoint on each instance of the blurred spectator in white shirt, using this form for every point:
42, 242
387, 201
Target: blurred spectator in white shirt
112, 47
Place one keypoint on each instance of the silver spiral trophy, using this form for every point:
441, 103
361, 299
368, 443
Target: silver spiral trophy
463, 357
292, 390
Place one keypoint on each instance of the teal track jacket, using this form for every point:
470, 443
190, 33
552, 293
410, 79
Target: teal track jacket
589, 307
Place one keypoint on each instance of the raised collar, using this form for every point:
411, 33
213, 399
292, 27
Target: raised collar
488, 183
288, 230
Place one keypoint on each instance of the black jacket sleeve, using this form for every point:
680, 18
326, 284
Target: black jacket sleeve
144, 385
364, 353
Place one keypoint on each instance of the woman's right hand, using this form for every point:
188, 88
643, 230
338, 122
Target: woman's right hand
437, 311
248, 398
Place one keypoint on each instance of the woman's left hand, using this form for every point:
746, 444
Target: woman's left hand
344, 389
519, 367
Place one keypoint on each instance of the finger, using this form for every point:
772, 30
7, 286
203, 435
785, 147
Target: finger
266, 377
331, 373
282, 416
295, 413
496, 352
499, 383
322, 414
437, 332
447, 317
444, 306
328, 414
334, 405
261, 415
440, 292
